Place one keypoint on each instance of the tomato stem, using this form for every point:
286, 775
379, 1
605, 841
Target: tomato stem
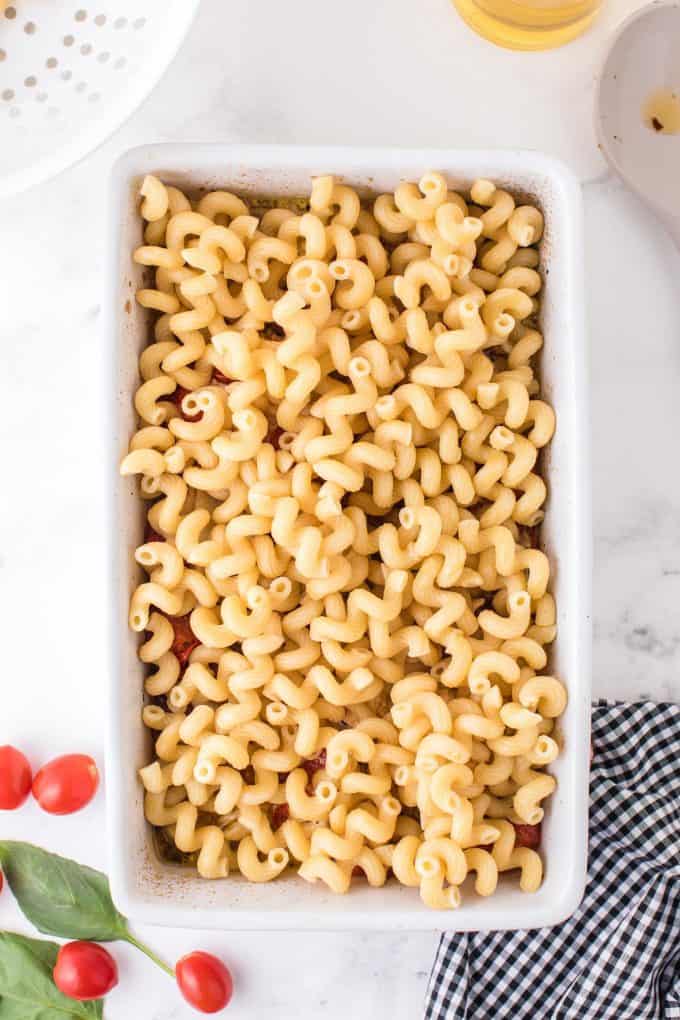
149, 952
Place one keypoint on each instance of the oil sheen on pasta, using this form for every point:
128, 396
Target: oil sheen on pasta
346, 615
529, 24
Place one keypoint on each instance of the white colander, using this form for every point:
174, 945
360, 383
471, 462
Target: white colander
70, 74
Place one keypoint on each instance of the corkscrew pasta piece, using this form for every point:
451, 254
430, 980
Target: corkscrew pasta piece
346, 617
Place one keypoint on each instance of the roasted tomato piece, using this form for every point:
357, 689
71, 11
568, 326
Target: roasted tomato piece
312, 765
280, 814
527, 835
177, 397
274, 435
220, 377
184, 641
150, 535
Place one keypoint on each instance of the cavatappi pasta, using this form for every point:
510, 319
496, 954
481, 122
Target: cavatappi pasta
345, 615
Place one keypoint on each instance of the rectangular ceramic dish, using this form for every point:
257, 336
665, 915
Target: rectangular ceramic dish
150, 890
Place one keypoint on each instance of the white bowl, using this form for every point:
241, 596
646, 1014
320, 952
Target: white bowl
150, 890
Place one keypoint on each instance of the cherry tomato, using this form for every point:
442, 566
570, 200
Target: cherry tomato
66, 784
184, 641
280, 814
15, 778
527, 835
2, 881
85, 970
204, 981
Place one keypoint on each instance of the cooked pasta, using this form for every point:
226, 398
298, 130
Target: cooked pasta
346, 612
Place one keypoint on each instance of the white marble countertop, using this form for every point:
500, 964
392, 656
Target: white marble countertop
52, 515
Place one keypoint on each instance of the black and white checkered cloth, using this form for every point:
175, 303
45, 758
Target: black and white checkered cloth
618, 957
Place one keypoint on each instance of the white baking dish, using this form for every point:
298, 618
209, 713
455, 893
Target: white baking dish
146, 888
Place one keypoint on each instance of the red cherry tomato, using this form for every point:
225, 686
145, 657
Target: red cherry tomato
2, 881
204, 981
527, 835
184, 640
85, 970
15, 778
66, 784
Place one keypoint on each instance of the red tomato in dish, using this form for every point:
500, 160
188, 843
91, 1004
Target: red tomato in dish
15, 778
66, 784
177, 397
150, 535
220, 377
274, 436
184, 641
280, 814
204, 981
312, 765
527, 835
85, 970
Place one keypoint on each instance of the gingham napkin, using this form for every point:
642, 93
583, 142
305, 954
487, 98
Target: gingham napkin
618, 957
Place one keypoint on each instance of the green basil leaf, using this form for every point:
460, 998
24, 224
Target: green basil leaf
60, 896
27, 989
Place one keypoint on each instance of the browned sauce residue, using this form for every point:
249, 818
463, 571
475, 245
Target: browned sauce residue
661, 112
